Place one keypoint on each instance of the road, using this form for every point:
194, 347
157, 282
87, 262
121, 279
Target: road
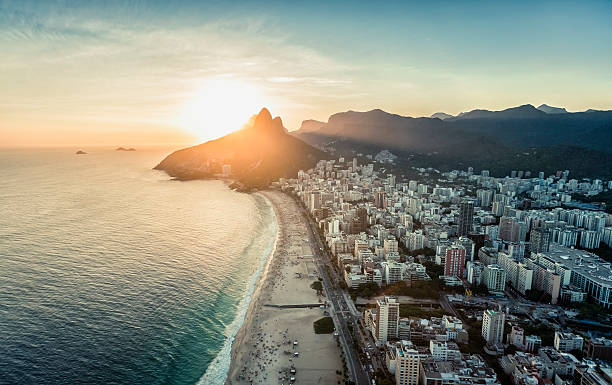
340, 310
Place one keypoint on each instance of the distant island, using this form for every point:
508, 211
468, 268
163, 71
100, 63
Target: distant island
252, 157
80, 152
125, 149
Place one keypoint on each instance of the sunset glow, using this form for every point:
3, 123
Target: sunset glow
219, 107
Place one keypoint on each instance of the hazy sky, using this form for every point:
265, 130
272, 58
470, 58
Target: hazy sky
79, 72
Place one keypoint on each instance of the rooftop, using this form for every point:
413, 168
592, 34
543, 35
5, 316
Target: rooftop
583, 262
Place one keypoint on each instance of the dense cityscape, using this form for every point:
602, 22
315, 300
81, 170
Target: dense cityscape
460, 277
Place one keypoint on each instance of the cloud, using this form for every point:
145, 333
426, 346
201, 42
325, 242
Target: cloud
77, 65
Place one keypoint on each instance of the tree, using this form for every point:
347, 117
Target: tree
366, 290
323, 325
318, 286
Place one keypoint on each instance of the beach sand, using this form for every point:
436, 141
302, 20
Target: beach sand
263, 350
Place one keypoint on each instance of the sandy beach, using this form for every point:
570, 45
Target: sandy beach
264, 350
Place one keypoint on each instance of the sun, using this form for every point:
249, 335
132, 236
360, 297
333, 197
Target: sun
219, 107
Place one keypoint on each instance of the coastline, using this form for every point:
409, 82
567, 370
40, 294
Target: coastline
263, 349
215, 373
238, 339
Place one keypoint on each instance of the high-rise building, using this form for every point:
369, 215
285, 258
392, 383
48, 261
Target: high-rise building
466, 217
493, 326
474, 272
455, 261
315, 201
509, 229
390, 245
540, 240
354, 164
494, 277
387, 319
407, 362
379, 199
469, 247
484, 197
416, 240
359, 223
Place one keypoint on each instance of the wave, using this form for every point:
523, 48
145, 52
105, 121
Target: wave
217, 371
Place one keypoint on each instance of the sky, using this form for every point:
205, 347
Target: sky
157, 72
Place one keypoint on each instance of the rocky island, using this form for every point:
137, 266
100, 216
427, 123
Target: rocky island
125, 149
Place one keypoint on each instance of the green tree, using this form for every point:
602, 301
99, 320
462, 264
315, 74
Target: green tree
318, 286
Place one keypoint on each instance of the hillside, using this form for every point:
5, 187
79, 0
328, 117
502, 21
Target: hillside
498, 140
257, 154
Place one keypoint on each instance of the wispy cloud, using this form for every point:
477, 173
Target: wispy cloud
68, 64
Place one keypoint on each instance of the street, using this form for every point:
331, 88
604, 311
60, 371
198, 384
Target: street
340, 311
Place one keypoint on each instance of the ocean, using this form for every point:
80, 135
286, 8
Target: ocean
111, 273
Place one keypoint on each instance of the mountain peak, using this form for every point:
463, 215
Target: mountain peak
552, 110
263, 117
442, 115
259, 153
265, 124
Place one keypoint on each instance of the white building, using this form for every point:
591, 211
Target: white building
566, 342
387, 319
493, 326
407, 362
393, 271
494, 277
474, 272
444, 351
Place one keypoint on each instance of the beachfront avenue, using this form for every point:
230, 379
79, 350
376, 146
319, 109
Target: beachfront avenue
339, 306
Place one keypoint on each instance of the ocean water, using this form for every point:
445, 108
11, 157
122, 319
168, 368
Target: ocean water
110, 273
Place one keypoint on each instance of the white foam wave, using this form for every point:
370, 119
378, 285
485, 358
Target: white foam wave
217, 371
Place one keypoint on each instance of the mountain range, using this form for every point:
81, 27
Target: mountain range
259, 153
524, 137
518, 138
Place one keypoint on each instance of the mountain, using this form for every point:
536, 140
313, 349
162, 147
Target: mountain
258, 154
441, 115
521, 112
552, 110
311, 125
480, 138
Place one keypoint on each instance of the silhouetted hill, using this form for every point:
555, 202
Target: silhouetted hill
575, 140
311, 125
552, 110
258, 154
520, 112
441, 115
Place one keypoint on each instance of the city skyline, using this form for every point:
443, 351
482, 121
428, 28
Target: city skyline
148, 72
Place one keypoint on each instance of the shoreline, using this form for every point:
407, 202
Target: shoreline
215, 372
238, 339
264, 349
